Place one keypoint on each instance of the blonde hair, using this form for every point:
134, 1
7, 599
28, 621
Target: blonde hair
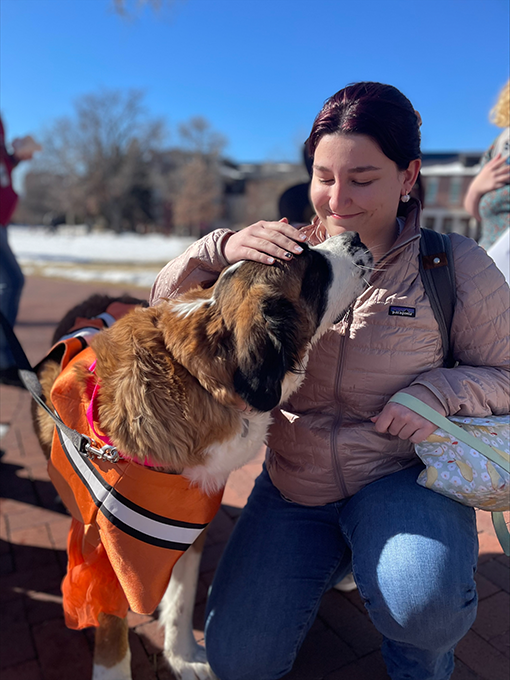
500, 114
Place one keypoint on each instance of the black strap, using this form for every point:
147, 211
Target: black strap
29, 378
438, 277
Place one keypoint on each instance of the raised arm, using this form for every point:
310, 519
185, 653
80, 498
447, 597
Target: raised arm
201, 264
494, 174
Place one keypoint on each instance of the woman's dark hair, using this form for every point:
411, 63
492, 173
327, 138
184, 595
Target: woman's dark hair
379, 111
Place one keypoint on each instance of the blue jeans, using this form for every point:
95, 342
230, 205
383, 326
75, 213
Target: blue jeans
11, 285
413, 554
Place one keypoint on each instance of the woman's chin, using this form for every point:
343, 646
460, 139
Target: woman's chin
336, 227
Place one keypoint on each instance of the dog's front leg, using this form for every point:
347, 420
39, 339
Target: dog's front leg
112, 656
186, 658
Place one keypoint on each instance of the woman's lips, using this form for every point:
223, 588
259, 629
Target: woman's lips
343, 217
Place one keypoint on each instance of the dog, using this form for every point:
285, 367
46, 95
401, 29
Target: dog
185, 388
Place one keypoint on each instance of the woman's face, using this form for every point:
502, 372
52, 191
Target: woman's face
355, 187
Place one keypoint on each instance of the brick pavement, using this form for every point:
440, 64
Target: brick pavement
34, 643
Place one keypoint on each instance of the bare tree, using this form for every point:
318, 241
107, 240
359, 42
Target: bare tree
107, 165
197, 189
197, 201
100, 159
197, 137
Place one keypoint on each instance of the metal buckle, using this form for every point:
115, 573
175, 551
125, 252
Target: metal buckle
106, 452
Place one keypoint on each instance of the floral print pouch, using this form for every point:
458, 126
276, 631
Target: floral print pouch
468, 460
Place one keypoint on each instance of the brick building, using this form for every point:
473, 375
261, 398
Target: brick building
446, 178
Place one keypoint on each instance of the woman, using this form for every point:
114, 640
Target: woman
338, 491
488, 196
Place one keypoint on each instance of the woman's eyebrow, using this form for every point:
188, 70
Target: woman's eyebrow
359, 168
363, 168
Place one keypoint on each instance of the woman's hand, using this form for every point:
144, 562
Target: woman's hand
401, 422
264, 242
25, 147
494, 175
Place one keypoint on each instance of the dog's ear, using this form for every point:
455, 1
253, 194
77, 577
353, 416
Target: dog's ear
265, 353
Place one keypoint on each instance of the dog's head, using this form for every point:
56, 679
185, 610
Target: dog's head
262, 319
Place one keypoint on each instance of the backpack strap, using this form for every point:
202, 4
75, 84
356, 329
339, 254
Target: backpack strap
438, 277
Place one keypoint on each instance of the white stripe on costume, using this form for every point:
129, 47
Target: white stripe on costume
107, 318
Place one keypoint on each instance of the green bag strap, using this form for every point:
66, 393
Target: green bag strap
427, 412
501, 529
416, 405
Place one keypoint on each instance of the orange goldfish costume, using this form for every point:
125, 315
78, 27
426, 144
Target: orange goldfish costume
130, 523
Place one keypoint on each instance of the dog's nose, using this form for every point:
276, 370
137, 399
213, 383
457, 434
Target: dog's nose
356, 241
352, 241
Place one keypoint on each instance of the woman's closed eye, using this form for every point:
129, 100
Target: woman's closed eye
362, 184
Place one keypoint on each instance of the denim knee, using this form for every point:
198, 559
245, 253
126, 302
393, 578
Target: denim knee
240, 656
420, 597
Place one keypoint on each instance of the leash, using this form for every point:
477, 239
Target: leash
86, 446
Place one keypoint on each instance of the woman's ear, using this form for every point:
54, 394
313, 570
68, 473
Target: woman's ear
411, 175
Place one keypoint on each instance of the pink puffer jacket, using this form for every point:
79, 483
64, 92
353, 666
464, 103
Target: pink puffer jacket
322, 445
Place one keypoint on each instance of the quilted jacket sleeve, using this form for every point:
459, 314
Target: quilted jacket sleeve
198, 266
480, 384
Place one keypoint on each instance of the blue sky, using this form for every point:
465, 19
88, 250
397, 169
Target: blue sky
259, 70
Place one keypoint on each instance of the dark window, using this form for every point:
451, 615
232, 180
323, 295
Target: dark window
455, 190
431, 187
466, 230
447, 224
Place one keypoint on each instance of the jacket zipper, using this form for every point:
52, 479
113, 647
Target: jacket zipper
337, 468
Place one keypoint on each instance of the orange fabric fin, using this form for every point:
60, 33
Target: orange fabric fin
90, 585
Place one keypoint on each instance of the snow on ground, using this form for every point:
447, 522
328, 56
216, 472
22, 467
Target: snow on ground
72, 253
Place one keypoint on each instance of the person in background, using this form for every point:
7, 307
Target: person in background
11, 276
338, 491
488, 196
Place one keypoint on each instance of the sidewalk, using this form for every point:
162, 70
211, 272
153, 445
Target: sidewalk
34, 643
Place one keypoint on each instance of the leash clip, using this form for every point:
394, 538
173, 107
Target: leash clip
106, 452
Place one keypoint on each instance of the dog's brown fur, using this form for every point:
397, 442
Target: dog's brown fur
48, 369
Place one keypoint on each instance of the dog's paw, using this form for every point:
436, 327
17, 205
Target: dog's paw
193, 667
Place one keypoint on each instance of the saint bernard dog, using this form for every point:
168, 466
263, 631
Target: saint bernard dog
187, 388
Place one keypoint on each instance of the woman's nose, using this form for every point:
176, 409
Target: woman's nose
338, 197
